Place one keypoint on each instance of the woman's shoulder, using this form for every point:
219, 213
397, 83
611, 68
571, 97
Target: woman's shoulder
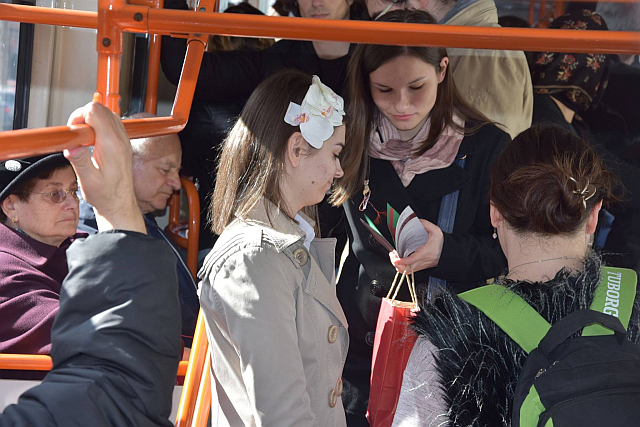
488, 137
241, 243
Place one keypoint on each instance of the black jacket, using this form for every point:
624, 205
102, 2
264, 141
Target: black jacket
622, 248
115, 341
229, 76
469, 254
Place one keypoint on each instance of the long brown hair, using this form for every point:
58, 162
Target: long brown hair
362, 110
251, 165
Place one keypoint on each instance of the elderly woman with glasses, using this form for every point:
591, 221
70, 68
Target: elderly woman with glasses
38, 222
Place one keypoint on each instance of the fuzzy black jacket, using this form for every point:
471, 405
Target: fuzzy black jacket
478, 364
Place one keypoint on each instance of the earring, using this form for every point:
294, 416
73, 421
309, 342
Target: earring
14, 219
495, 233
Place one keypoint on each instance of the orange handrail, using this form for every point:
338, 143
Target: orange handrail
165, 21
195, 371
203, 400
25, 142
41, 362
190, 243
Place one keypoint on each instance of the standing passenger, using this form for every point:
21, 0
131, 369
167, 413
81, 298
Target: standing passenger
427, 148
495, 82
277, 332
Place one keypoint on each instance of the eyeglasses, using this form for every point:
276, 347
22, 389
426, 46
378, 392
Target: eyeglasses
59, 195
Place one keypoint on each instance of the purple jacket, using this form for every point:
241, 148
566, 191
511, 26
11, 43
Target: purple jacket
31, 274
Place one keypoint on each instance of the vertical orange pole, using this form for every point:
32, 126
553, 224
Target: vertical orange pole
559, 8
542, 12
155, 43
151, 100
532, 9
109, 47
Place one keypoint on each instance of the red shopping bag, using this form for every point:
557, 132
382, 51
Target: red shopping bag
392, 346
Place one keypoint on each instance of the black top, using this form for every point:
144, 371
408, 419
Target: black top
622, 247
469, 254
227, 76
116, 340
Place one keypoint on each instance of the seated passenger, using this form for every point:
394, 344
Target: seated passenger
116, 340
428, 149
156, 162
569, 85
277, 334
495, 82
38, 222
547, 188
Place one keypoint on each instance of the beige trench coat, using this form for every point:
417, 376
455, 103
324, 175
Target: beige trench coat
278, 336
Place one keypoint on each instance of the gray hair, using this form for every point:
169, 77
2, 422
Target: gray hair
620, 16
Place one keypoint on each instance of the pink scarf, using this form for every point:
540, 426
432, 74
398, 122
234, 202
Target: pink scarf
400, 153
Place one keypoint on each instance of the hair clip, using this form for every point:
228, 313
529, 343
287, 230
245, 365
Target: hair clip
585, 189
321, 110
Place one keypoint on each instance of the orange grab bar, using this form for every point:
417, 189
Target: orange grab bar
165, 21
25, 142
40, 362
197, 361
191, 242
203, 400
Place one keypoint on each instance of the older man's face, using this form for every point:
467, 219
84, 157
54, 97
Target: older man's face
155, 174
374, 7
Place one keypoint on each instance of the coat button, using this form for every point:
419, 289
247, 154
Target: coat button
333, 333
373, 242
301, 255
376, 288
369, 338
339, 387
333, 398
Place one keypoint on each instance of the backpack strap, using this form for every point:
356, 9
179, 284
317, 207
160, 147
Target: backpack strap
511, 313
614, 295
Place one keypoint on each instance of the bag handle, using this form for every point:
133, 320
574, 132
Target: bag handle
395, 288
511, 313
566, 327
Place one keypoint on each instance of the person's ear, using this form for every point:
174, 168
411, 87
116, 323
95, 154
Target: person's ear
8, 207
444, 63
592, 218
295, 145
496, 216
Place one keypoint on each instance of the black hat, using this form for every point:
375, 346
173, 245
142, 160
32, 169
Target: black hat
14, 173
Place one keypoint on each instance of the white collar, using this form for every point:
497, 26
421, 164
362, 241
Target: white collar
309, 232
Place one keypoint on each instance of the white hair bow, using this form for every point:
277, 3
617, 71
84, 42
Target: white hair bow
321, 110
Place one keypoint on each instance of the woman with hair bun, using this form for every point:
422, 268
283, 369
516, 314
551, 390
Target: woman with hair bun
546, 190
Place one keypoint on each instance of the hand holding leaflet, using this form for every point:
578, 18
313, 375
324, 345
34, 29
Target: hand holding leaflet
407, 230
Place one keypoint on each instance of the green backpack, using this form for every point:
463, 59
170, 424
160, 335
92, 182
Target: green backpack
572, 379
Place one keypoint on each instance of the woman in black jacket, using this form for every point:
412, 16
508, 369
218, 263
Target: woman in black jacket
428, 150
